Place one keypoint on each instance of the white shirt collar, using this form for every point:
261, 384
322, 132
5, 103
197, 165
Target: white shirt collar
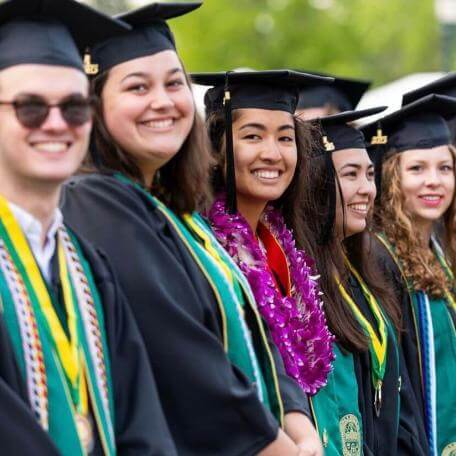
32, 229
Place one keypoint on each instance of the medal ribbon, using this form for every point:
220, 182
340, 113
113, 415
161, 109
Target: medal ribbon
377, 345
67, 350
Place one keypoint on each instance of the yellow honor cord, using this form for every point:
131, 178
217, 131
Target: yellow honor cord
379, 346
68, 353
209, 247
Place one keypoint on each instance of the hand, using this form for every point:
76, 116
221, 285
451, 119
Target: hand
299, 427
311, 447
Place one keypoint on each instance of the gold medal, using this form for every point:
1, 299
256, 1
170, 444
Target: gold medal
85, 432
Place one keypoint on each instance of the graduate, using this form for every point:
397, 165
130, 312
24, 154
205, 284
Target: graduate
74, 375
223, 386
324, 100
258, 218
417, 193
367, 405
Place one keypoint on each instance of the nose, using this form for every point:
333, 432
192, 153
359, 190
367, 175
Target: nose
367, 187
432, 178
54, 120
271, 151
160, 99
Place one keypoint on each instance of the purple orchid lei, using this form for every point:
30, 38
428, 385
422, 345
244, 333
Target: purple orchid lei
297, 323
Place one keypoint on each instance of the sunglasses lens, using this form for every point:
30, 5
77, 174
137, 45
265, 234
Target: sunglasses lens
31, 113
76, 112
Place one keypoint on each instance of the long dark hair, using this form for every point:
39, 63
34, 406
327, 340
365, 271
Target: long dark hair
330, 259
182, 183
289, 202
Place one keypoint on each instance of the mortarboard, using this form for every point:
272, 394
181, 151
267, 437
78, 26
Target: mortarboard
418, 125
150, 34
442, 86
421, 124
345, 94
276, 90
51, 32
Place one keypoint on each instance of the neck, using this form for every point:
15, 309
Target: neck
39, 201
424, 229
251, 211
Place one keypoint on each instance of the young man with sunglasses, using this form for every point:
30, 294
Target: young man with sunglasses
74, 377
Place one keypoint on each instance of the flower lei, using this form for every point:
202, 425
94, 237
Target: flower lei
297, 323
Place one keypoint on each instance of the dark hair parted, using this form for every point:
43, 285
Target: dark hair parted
182, 183
330, 260
289, 202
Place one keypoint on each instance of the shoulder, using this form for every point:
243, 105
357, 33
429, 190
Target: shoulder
105, 195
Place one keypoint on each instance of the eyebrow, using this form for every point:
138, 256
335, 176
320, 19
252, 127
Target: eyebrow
142, 74
262, 127
356, 165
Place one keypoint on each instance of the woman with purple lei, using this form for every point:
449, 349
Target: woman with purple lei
256, 214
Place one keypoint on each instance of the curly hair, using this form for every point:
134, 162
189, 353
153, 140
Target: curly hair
421, 267
289, 202
182, 183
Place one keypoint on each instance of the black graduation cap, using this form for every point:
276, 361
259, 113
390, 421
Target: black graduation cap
150, 34
51, 32
442, 86
418, 125
276, 90
337, 134
345, 93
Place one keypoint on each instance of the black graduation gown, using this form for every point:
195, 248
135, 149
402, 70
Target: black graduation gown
409, 342
140, 426
211, 406
380, 434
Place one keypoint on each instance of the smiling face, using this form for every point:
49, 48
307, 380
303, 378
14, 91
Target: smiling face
355, 173
427, 182
51, 153
148, 109
265, 155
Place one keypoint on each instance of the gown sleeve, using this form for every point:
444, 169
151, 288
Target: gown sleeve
210, 405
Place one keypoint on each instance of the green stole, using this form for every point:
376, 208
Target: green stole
233, 295
445, 353
336, 411
51, 394
335, 407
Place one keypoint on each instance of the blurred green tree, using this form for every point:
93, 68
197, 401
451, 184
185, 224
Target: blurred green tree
379, 40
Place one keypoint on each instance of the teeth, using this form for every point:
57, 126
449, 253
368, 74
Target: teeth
51, 146
359, 207
266, 174
159, 123
431, 197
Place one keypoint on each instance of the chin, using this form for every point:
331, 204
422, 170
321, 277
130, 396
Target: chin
355, 228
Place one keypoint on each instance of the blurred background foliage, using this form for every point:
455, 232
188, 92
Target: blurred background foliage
378, 40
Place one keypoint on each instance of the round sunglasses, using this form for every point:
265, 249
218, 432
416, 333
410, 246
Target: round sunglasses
32, 110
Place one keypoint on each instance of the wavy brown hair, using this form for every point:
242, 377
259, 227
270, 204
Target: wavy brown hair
289, 202
182, 183
330, 259
420, 265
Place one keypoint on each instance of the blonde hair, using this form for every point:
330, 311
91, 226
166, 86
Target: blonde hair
420, 266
